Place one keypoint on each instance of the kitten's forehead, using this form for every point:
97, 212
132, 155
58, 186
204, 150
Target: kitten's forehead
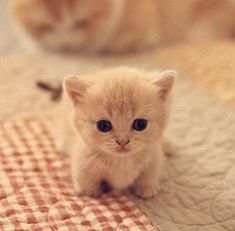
122, 96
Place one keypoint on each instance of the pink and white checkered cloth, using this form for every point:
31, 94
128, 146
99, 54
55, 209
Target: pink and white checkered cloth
36, 191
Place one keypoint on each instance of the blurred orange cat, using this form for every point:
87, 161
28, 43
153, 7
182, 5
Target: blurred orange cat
122, 25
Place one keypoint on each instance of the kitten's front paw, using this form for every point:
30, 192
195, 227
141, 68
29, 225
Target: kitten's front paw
145, 191
87, 192
94, 192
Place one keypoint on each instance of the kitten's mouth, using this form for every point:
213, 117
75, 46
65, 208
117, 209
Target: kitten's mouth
122, 149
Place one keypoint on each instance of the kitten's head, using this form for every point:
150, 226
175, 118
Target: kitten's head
122, 111
63, 24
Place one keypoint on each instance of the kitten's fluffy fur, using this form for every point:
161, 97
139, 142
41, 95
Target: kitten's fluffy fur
119, 95
122, 25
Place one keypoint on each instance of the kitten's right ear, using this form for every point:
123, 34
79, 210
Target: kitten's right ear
164, 82
75, 88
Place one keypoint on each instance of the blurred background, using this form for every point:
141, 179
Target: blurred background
125, 27
9, 40
45, 40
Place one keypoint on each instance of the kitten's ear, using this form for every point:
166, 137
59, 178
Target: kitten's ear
75, 88
165, 81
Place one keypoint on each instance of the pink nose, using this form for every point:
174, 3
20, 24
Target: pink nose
122, 142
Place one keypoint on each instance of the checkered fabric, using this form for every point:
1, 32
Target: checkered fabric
36, 192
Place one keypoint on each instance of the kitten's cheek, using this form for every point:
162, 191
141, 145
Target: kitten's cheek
141, 147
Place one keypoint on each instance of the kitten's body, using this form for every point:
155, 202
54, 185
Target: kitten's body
119, 172
120, 96
123, 25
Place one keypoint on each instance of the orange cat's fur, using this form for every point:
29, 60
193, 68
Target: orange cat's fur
120, 96
122, 25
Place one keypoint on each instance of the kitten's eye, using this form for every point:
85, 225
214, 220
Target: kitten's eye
104, 125
139, 124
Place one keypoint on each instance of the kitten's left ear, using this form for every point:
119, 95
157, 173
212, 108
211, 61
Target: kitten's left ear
75, 88
165, 81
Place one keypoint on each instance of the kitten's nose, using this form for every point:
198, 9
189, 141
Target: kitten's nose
122, 142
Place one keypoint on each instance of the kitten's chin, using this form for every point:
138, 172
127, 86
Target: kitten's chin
118, 152
122, 152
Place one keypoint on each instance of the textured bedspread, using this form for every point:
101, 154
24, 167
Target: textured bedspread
36, 192
198, 192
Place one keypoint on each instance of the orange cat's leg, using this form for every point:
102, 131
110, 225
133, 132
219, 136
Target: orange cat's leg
147, 184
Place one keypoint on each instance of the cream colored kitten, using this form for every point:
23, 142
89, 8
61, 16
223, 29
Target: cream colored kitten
123, 25
115, 127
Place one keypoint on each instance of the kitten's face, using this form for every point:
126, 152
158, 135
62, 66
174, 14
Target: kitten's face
63, 24
120, 115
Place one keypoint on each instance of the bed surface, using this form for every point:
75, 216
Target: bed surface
198, 185
36, 191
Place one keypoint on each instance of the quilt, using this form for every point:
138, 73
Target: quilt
36, 192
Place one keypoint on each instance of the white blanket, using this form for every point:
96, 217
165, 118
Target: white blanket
198, 192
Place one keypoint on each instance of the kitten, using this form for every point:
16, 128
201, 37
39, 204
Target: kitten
115, 128
122, 25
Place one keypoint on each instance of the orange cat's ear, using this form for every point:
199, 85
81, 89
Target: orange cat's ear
75, 88
165, 81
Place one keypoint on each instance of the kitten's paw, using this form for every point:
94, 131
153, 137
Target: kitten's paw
94, 193
86, 192
146, 192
